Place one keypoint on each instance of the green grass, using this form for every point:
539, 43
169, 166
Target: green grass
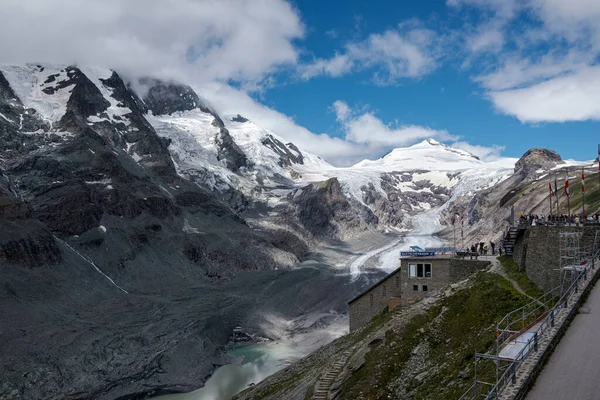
592, 195
454, 329
514, 272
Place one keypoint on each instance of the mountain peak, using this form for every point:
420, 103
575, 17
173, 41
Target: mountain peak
538, 159
432, 142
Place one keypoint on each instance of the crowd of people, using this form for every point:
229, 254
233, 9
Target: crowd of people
534, 219
482, 248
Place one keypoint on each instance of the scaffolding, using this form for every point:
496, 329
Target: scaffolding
570, 262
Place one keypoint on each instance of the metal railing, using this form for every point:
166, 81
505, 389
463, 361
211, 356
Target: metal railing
526, 316
521, 319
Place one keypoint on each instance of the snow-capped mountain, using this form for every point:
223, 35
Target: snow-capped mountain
240, 162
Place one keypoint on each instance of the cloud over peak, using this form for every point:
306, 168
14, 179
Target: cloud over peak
228, 40
408, 51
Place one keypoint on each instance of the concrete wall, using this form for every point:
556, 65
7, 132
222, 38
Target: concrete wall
374, 300
460, 269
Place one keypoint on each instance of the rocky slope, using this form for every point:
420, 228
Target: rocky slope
119, 275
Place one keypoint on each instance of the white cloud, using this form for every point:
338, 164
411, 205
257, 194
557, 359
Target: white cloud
488, 38
241, 40
366, 136
339, 65
369, 130
541, 63
484, 153
342, 111
227, 100
410, 51
517, 71
575, 97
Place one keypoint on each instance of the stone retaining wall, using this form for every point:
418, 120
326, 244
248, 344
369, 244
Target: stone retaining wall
537, 252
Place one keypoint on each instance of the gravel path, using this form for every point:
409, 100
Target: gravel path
498, 269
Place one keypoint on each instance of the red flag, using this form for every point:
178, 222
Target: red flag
582, 181
550, 187
566, 184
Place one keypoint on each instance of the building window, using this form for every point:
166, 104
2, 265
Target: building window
384, 291
415, 288
371, 299
397, 280
427, 270
412, 270
424, 288
419, 270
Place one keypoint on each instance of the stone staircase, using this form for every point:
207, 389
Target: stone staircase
325, 382
509, 240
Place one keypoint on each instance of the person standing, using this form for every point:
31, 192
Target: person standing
493, 245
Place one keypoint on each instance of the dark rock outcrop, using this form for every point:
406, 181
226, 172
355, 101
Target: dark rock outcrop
239, 118
286, 156
85, 100
169, 97
27, 243
536, 159
230, 152
324, 211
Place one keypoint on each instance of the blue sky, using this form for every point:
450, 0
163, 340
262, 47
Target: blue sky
350, 79
446, 98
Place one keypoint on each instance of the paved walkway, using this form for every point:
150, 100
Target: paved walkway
573, 370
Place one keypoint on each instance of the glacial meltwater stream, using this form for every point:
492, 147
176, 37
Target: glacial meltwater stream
259, 361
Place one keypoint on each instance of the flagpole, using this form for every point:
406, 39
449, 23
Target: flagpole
583, 191
567, 192
550, 198
454, 229
556, 195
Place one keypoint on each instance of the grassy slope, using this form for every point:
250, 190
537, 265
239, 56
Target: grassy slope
514, 272
592, 194
453, 329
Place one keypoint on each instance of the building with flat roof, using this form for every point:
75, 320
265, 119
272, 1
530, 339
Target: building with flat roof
415, 279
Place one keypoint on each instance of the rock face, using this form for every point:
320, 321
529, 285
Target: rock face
536, 159
169, 97
229, 151
286, 155
324, 211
